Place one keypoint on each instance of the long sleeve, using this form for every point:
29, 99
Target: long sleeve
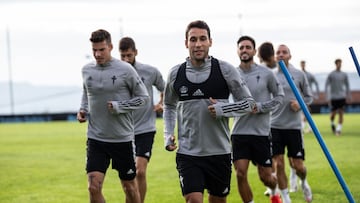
277, 98
169, 115
283, 117
347, 87
243, 100
116, 82
268, 94
186, 102
84, 105
327, 84
316, 87
139, 97
312, 81
305, 89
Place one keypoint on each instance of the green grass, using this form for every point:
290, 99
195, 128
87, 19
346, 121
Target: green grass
44, 162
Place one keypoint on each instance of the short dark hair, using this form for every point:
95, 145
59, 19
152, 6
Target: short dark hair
337, 61
100, 35
266, 51
127, 43
245, 37
197, 24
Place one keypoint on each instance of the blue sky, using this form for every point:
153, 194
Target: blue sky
49, 39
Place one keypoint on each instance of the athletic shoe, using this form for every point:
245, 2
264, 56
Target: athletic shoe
293, 181
333, 127
308, 130
286, 199
275, 199
338, 132
267, 191
307, 191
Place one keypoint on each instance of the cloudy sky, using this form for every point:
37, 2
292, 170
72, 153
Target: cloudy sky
49, 39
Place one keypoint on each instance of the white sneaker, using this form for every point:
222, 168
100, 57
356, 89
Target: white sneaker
293, 181
267, 191
286, 199
307, 191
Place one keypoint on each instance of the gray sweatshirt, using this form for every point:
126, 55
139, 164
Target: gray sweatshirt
145, 117
312, 81
199, 134
283, 117
337, 86
268, 94
118, 82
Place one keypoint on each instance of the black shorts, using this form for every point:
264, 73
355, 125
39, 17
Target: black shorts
252, 147
143, 144
291, 139
199, 173
100, 153
337, 104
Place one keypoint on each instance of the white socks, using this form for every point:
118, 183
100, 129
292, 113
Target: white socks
338, 128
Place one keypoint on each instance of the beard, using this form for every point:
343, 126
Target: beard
247, 60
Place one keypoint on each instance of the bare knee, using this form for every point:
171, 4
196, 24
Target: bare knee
267, 177
215, 199
300, 169
95, 183
241, 174
140, 173
194, 197
141, 165
130, 188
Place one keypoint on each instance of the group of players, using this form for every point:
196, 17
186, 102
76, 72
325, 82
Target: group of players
117, 102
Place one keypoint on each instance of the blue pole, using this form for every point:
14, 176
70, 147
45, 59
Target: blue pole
355, 60
316, 131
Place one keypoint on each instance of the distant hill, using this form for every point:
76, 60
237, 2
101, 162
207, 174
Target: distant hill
30, 99
34, 99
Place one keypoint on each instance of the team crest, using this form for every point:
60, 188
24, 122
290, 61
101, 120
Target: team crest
183, 91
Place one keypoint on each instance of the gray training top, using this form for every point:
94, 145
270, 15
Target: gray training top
118, 82
283, 117
145, 117
312, 80
268, 94
337, 86
199, 134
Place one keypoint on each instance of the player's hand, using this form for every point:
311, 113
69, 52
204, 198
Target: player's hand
110, 107
294, 105
254, 109
172, 146
211, 107
81, 116
158, 108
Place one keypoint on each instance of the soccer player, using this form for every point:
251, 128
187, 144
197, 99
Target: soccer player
286, 127
337, 90
316, 92
204, 155
293, 180
266, 55
144, 118
251, 140
111, 91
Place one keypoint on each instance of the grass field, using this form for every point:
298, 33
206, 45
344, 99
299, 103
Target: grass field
44, 162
